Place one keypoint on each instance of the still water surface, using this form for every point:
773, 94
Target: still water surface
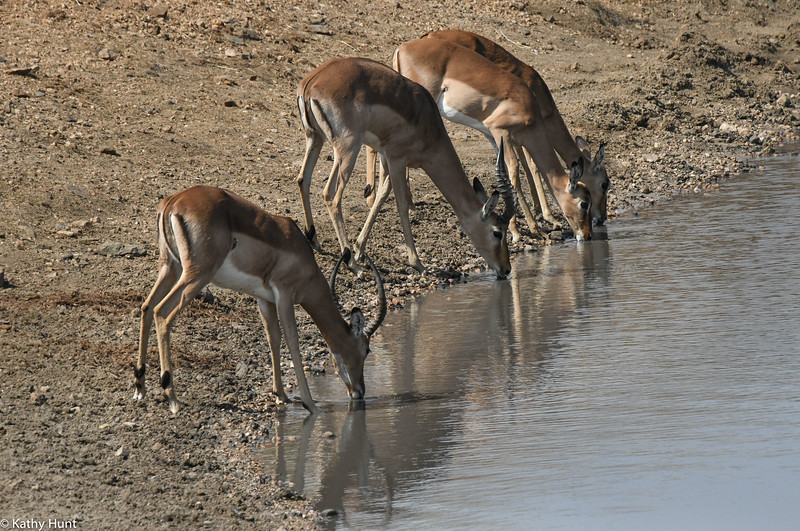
650, 380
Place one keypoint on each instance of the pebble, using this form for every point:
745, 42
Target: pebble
121, 249
122, 452
106, 54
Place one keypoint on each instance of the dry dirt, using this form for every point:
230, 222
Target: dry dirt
107, 106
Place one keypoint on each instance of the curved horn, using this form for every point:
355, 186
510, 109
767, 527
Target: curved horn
344, 258
505, 187
375, 323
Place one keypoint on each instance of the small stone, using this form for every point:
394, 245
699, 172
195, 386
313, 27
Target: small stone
159, 11
328, 435
234, 39
121, 249
320, 30
38, 398
27, 233
122, 452
26, 71
108, 150
81, 224
224, 80
106, 54
230, 103
241, 369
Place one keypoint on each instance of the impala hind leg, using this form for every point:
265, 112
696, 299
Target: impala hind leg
269, 316
314, 144
344, 160
181, 294
167, 276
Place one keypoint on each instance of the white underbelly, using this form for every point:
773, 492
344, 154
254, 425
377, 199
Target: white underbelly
372, 141
454, 115
229, 277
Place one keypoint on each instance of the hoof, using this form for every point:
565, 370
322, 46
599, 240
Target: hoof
281, 398
312, 408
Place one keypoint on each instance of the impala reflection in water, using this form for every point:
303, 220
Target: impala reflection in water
445, 358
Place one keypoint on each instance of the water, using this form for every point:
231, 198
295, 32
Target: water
649, 380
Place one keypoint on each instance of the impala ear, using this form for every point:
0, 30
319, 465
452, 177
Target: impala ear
582, 144
357, 321
575, 174
597, 163
479, 189
489, 206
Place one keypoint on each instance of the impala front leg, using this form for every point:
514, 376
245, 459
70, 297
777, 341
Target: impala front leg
381, 195
370, 189
530, 215
285, 306
269, 316
402, 194
537, 182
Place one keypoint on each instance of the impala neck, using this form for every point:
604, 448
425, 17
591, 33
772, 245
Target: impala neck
325, 313
545, 157
445, 170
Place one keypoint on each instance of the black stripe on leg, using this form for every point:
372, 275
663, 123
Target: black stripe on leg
310, 233
138, 372
166, 380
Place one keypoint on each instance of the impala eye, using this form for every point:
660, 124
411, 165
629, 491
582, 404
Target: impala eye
584, 205
605, 185
498, 234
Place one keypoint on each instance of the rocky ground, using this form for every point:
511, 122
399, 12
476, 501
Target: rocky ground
108, 106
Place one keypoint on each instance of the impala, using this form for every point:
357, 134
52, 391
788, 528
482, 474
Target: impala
471, 90
355, 101
210, 235
569, 149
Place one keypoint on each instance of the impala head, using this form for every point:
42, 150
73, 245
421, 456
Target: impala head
596, 180
576, 202
489, 230
350, 365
